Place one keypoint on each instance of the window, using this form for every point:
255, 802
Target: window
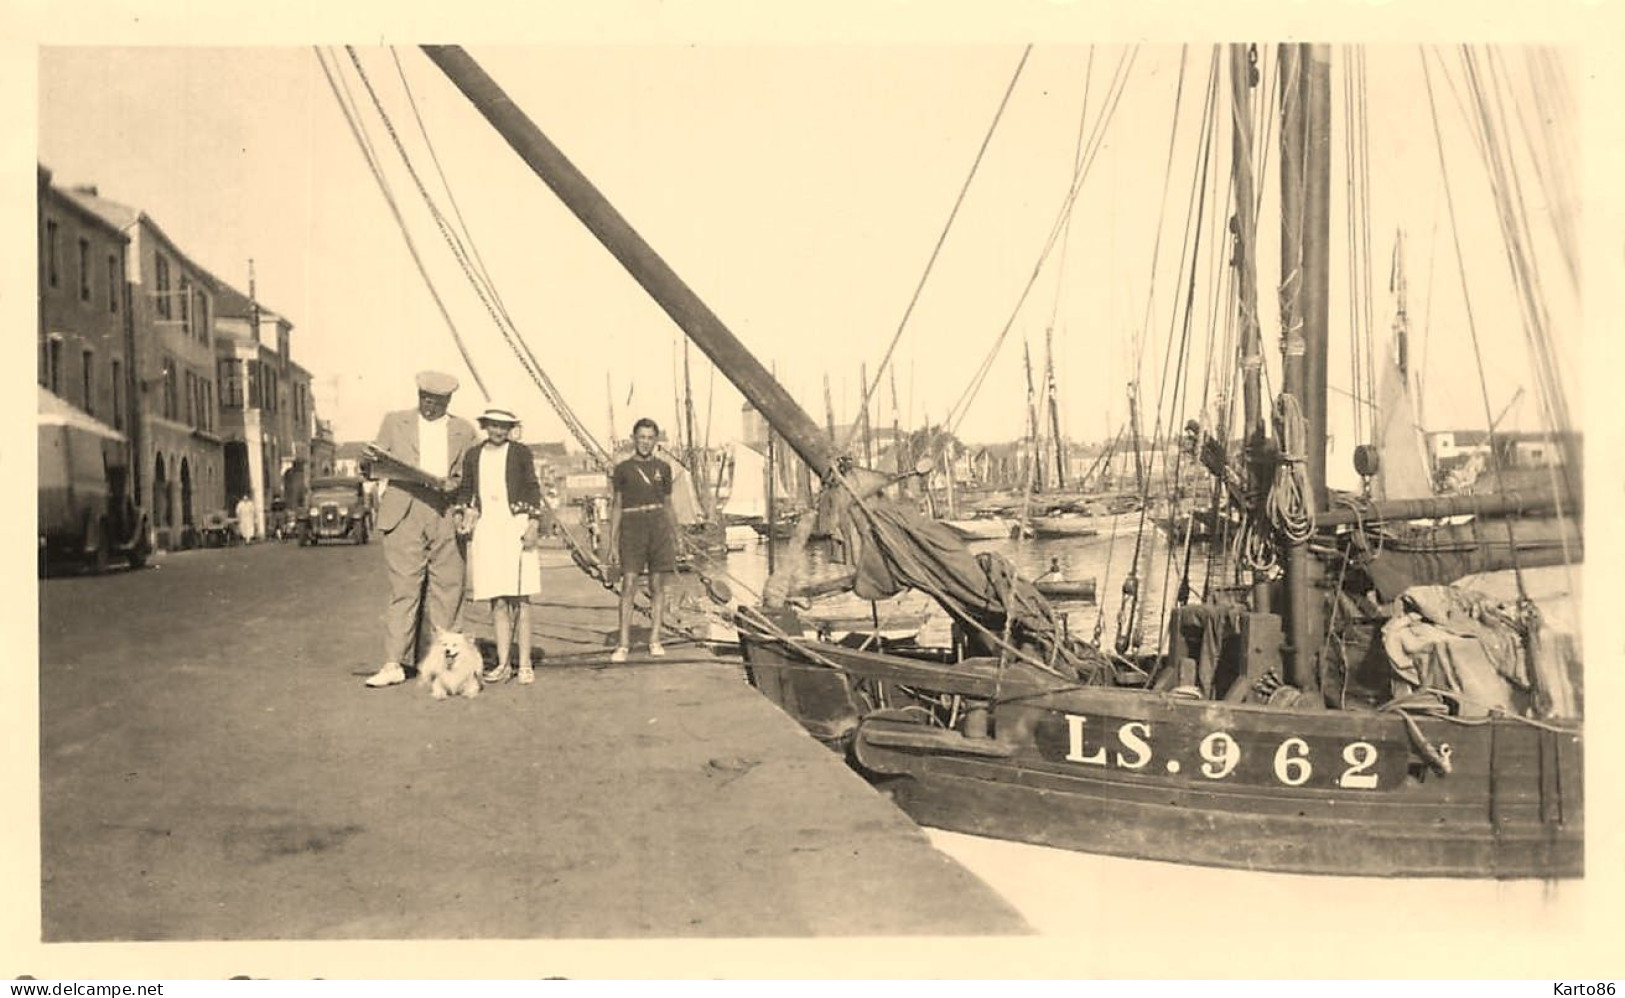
203, 317
113, 283
171, 389
88, 380
50, 252
191, 398
53, 365
84, 269
185, 296
231, 383
118, 395
160, 278
208, 406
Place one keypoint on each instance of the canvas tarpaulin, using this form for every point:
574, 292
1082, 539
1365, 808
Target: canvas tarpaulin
892, 548
1438, 555
1455, 639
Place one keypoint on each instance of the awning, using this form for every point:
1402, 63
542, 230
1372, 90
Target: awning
56, 411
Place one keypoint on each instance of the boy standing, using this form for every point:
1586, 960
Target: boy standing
642, 532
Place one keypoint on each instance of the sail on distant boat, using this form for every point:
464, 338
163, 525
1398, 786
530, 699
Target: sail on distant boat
747, 497
1403, 472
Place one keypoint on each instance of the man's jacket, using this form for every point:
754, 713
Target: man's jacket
399, 436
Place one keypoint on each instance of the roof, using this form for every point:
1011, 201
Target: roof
119, 216
229, 303
122, 216
75, 203
350, 450
1468, 438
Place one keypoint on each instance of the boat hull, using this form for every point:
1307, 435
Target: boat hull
999, 799
980, 528
1056, 527
1128, 773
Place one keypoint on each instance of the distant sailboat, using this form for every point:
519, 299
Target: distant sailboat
1403, 470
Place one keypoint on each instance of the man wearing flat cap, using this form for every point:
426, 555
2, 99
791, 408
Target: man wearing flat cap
418, 458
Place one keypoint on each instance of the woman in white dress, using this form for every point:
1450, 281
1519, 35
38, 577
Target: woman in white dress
501, 504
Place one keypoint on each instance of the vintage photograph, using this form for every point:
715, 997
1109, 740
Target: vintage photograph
1002, 490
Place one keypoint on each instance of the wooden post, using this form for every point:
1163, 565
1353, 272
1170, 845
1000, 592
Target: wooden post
1305, 224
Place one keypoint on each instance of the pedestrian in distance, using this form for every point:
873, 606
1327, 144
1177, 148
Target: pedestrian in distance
417, 458
642, 532
500, 506
245, 519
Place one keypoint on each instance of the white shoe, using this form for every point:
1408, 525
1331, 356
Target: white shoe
619, 655
657, 649
389, 675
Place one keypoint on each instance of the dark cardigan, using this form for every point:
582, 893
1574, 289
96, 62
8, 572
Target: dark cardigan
524, 491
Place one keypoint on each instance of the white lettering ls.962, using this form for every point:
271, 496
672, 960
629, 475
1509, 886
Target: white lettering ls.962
1219, 754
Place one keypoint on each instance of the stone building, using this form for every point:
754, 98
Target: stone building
173, 396
84, 312
266, 410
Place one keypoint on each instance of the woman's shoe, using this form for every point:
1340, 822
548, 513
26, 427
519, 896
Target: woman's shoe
497, 673
527, 675
657, 649
619, 655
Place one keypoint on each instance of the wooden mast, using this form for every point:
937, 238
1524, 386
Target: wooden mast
1252, 354
1242, 80
1054, 410
640, 260
868, 435
1033, 478
1305, 231
829, 411
897, 431
696, 464
772, 506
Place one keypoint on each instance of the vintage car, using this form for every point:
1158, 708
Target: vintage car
335, 509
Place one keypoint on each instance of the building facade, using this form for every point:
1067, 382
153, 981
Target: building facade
171, 321
323, 448
84, 336
266, 409
349, 457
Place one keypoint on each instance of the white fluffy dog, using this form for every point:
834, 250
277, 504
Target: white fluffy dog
452, 666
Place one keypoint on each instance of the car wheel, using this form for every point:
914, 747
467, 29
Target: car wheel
137, 555
361, 536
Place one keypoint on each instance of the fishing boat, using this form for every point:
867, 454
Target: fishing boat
1057, 526
782, 528
982, 526
1229, 748
1064, 590
1226, 750
849, 621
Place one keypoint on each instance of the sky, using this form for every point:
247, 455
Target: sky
799, 190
